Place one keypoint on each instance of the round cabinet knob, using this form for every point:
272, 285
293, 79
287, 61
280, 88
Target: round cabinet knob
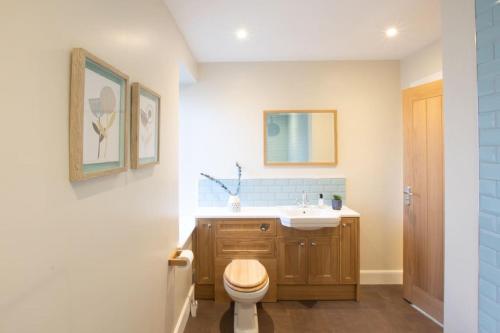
301, 243
209, 225
313, 243
344, 225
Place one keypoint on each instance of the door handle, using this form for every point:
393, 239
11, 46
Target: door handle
408, 194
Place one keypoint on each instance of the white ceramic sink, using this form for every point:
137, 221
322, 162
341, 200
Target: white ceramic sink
309, 218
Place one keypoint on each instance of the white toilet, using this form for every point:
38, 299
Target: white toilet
246, 281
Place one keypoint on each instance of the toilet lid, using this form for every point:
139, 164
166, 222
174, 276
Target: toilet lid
245, 273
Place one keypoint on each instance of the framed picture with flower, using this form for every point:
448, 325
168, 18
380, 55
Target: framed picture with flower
145, 129
98, 118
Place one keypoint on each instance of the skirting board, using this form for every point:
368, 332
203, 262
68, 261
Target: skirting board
185, 312
427, 315
381, 276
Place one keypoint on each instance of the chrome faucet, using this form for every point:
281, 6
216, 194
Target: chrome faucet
304, 202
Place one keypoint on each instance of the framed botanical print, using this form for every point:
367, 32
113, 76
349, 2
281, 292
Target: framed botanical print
98, 133
145, 136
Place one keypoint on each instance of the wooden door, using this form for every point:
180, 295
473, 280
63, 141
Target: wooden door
323, 260
292, 260
349, 265
205, 255
423, 198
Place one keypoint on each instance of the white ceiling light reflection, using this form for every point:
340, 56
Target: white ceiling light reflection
241, 34
391, 32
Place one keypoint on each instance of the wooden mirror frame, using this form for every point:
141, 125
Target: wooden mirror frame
335, 145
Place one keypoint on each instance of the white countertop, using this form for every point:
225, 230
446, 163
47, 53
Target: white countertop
255, 212
187, 223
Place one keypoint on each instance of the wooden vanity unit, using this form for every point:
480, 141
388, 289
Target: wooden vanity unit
318, 264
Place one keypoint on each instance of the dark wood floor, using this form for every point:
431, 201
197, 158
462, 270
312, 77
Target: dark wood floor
381, 309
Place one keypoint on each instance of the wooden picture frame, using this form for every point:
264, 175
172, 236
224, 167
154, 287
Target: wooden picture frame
145, 129
266, 113
98, 117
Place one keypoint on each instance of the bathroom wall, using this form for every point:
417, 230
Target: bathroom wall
488, 68
461, 166
90, 256
221, 122
423, 66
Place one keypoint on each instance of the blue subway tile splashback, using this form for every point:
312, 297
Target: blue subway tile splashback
488, 68
271, 191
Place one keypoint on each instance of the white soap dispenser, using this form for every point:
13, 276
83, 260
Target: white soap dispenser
321, 202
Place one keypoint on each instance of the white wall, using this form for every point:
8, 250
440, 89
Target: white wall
221, 122
91, 256
461, 167
423, 66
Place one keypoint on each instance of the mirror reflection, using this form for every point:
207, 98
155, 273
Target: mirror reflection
300, 137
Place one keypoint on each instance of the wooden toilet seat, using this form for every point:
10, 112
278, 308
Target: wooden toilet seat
245, 275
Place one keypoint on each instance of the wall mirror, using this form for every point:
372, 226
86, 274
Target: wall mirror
300, 137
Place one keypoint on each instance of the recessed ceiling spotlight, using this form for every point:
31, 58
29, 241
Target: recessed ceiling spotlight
241, 34
391, 32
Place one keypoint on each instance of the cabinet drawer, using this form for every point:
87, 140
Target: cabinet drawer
247, 247
245, 228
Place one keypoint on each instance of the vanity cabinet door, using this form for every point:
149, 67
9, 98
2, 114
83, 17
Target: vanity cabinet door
204, 252
349, 265
292, 260
323, 260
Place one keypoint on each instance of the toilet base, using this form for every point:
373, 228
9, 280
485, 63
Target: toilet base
245, 318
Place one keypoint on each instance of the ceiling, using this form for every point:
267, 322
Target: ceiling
287, 30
